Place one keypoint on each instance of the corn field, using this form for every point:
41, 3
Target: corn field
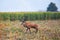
49, 27
30, 15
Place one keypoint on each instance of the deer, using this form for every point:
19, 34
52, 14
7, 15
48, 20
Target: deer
29, 25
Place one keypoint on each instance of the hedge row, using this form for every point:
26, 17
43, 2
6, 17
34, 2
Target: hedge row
30, 15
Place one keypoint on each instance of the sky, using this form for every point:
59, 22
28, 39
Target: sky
26, 5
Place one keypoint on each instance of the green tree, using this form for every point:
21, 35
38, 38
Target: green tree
52, 7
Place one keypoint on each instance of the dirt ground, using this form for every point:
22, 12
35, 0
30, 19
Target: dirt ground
13, 30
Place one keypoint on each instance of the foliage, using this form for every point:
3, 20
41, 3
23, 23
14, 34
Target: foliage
52, 7
30, 15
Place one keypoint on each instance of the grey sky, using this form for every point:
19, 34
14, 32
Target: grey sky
26, 5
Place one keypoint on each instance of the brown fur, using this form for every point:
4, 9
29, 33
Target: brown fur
29, 25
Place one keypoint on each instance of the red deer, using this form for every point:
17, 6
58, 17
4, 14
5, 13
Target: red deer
30, 25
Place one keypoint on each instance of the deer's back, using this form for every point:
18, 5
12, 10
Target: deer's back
29, 24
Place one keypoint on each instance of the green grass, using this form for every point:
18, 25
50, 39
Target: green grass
30, 15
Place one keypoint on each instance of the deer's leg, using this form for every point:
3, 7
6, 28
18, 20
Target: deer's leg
26, 29
36, 30
29, 30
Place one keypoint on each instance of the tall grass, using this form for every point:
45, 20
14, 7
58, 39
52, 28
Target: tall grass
30, 15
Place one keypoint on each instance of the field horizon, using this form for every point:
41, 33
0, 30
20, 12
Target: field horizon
48, 26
